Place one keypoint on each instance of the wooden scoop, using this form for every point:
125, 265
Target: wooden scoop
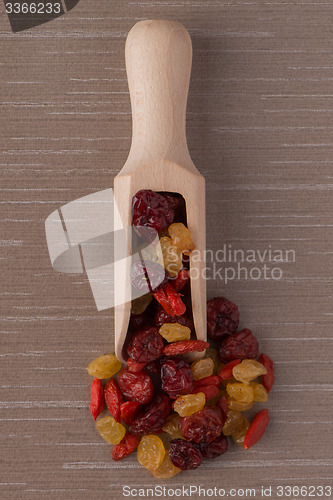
158, 62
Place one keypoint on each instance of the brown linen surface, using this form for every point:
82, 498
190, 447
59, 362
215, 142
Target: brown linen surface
260, 130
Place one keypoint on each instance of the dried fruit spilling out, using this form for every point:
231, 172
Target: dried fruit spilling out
175, 412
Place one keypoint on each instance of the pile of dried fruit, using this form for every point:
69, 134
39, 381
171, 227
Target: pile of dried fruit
172, 411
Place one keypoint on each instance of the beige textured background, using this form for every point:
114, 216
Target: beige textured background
260, 130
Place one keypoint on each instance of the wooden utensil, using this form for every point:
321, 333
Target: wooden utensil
158, 62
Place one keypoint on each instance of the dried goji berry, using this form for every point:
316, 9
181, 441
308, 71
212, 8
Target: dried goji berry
184, 346
170, 300
210, 391
267, 380
212, 380
226, 371
129, 411
126, 446
257, 428
134, 366
146, 345
113, 398
181, 279
96, 398
136, 386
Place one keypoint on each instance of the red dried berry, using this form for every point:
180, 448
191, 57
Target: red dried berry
184, 455
267, 380
154, 367
205, 425
152, 418
96, 398
129, 411
126, 446
134, 366
176, 203
222, 404
181, 279
184, 346
170, 300
146, 346
226, 372
113, 398
256, 429
215, 448
242, 345
177, 377
212, 380
150, 210
136, 386
210, 391
138, 321
162, 317
222, 318
148, 276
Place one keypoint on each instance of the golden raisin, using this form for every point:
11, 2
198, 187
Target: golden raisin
173, 332
248, 370
151, 452
238, 406
181, 237
166, 469
171, 426
240, 433
240, 392
259, 392
140, 304
110, 430
104, 366
188, 404
234, 423
172, 256
202, 368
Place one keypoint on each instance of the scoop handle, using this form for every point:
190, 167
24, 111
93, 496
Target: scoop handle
158, 63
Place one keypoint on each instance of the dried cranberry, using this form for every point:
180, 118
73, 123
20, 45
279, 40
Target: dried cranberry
205, 425
152, 418
180, 280
222, 404
137, 321
222, 317
134, 366
136, 386
146, 346
267, 380
148, 276
176, 203
215, 448
129, 411
177, 377
184, 455
150, 210
242, 345
162, 317
154, 367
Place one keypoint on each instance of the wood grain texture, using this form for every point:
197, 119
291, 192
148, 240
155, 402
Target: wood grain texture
260, 129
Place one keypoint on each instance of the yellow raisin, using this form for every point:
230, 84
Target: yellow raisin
248, 370
239, 435
172, 256
234, 423
171, 426
259, 392
238, 406
240, 392
181, 237
174, 331
110, 430
140, 304
166, 469
104, 366
212, 353
188, 404
202, 368
151, 452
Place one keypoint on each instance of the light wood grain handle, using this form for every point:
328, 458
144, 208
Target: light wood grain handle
158, 62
